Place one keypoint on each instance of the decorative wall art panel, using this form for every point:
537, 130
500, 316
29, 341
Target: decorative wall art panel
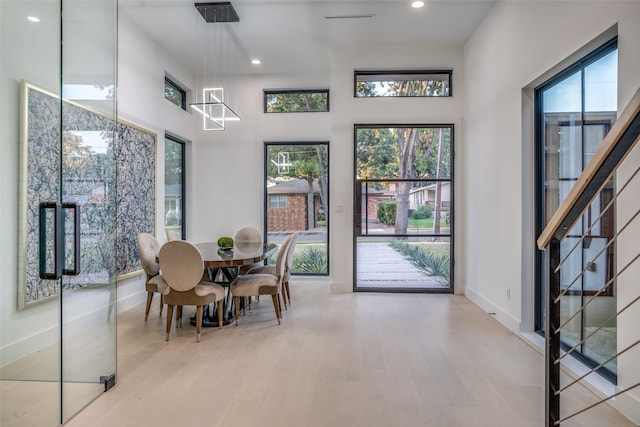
107, 168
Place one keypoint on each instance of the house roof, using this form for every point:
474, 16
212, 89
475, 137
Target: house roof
294, 186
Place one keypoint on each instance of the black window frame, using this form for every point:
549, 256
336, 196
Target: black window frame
391, 72
327, 145
169, 82
539, 196
183, 144
267, 92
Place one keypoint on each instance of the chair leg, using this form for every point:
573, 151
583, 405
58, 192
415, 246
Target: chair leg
276, 305
236, 303
179, 317
169, 316
161, 304
149, 299
284, 298
198, 322
220, 312
286, 287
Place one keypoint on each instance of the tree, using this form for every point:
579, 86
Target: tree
289, 102
305, 161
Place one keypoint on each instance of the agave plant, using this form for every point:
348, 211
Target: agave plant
310, 260
435, 265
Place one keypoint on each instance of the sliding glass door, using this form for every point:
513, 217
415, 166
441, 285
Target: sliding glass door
403, 205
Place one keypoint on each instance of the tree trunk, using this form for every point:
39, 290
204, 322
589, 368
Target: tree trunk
322, 180
406, 153
438, 202
310, 206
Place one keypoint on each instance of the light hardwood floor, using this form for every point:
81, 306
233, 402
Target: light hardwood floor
336, 360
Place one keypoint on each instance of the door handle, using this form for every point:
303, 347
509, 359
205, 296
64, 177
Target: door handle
57, 243
75, 207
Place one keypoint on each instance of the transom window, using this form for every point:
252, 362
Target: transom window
402, 83
296, 101
174, 93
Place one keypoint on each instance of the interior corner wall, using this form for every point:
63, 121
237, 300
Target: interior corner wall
516, 44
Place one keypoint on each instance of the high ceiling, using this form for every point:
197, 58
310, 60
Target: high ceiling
295, 36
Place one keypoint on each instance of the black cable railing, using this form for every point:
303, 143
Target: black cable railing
565, 281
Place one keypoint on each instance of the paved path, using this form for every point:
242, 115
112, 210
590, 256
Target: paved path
380, 266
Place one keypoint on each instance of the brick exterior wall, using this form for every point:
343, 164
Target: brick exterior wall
291, 218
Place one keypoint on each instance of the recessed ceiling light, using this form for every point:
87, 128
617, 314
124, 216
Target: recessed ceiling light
33, 19
256, 61
417, 4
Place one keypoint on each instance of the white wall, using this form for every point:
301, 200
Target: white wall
347, 111
141, 71
517, 43
226, 178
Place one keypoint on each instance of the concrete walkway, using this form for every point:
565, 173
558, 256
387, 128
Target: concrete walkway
381, 266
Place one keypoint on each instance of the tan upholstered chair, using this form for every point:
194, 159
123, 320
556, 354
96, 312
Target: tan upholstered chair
149, 247
173, 235
271, 269
246, 236
261, 284
182, 269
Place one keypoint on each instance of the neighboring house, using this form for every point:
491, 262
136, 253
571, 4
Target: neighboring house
173, 204
427, 196
287, 205
371, 197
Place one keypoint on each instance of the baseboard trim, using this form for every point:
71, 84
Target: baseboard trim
500, 315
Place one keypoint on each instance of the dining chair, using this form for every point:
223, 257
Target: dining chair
149, 247
261, 284
246, 236
182, 268
271, 269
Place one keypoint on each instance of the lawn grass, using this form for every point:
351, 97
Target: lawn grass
427, 223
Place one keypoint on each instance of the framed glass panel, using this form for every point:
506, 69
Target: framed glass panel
574, 112
403, 208
296, 101
174, 93
402, 83
174, 185
297, 199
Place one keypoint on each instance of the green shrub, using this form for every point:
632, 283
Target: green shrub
310, 260
387, 213
423, 212
436, 265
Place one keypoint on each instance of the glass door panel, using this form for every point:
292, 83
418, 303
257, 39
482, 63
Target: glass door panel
89, 199
403, 208
29, 304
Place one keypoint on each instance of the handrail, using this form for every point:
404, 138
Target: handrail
614, 148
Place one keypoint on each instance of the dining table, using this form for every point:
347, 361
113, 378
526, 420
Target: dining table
221, 265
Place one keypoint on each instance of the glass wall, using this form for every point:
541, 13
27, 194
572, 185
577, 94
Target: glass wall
576, 110
57, 333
